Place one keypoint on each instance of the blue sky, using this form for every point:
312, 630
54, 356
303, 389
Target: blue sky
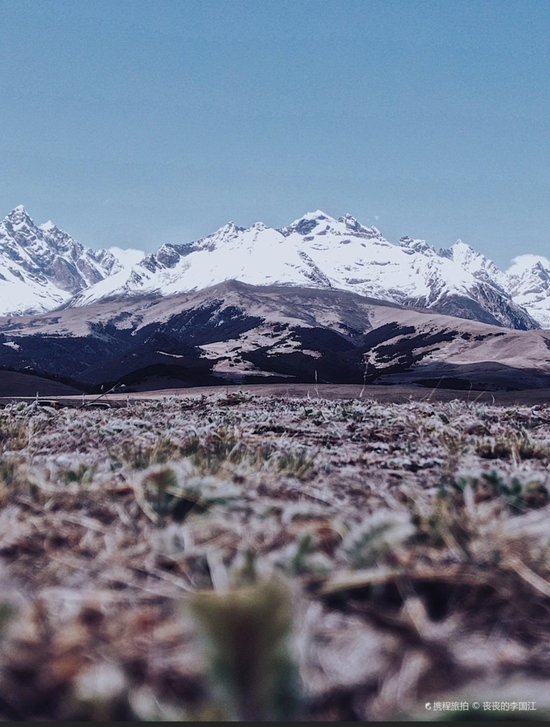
134, 123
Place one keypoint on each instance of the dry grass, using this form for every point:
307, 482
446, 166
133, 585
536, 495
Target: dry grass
404, 550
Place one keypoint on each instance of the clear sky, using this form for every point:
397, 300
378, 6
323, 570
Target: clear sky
138, 122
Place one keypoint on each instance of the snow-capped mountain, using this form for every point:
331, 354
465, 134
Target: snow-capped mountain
529, 284
322, 252
42, 267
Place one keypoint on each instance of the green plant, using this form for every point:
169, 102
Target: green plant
516, 494
376, 537
248, 632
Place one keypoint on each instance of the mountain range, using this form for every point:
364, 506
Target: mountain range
322, 300
42, 268
238, 333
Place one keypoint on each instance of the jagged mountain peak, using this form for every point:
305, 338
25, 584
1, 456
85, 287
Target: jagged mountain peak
411, 245
356, 228
230, 229
259, 226
19, 216
317, 215
407, 241
462, 249
529, 283
48, 226
321, 223
21, 222
469, 258
306, 224
467, 255
18, 211
524, 263
42, 267
459, 245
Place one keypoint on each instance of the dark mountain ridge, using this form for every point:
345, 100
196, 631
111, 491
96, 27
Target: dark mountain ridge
236, 333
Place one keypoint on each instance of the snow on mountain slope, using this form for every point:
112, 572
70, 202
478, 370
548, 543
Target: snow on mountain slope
322, 252
42, 267
529, 284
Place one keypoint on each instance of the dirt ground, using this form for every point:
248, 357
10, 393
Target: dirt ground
385, 394
234, 555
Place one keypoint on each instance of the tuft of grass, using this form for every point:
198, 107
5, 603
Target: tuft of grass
82, 474
212, 452
298, 464
139, 456
499, 449
517, 445
516, 494
376, 537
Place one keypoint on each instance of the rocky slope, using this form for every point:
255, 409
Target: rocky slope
529, 285
42, 267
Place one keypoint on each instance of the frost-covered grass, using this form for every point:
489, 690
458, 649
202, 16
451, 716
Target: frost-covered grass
383, 555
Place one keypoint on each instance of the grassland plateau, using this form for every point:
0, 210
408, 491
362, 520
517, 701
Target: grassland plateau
238, 556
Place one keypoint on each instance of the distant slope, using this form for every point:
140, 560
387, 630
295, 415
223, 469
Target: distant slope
13, 383
236, 333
